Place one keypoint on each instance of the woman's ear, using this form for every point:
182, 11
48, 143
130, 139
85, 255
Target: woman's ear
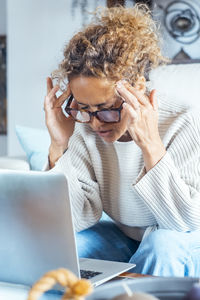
140, 84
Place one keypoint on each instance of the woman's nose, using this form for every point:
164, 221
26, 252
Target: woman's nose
95, 123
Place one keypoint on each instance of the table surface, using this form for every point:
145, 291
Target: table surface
13, 292
133, 275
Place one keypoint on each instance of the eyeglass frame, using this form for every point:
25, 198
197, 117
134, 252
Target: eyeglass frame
91, 114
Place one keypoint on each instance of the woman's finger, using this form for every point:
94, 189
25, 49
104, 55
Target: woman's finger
49, 99
142, 98
53, 92
130, 112
49, 85
153, 100
128, 96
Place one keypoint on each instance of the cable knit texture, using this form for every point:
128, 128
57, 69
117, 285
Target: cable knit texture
111, 177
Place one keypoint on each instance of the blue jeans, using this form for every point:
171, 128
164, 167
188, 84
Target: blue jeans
161, 253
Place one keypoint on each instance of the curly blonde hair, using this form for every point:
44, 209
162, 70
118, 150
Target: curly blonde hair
119, 43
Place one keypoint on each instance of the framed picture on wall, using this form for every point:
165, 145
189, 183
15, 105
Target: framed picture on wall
180, 28
3, 119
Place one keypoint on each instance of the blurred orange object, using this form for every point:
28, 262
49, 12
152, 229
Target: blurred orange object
75, 288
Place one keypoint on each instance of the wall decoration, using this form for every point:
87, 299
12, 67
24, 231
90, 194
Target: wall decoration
84, 7
3, 120
180, 28
127, 3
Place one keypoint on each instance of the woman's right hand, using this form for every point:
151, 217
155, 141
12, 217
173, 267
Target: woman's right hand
60, 128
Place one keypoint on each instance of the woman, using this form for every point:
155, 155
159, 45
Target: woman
122, 153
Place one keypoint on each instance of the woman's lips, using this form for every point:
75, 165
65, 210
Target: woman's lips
104, 133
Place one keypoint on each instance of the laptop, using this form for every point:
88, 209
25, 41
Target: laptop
37, 233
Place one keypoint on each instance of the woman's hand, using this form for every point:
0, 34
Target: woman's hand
141, 113
60, 128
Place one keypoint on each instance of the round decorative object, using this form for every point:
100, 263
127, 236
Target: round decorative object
180, 28
182, 22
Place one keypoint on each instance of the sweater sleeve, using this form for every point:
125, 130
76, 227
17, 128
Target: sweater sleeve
83, 187
171, 189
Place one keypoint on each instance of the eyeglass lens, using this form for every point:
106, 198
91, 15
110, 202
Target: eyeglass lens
104, 116
108, 115
84, 116
81, 116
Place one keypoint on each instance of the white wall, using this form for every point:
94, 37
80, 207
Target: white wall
37, 31
3, 138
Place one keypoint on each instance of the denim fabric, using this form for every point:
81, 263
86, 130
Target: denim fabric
169, 253
105, 241
161, 253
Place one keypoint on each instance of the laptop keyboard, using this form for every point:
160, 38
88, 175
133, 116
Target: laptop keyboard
89, 274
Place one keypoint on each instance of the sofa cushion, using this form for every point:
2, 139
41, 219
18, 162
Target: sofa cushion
179, 82
13, 163
35, 143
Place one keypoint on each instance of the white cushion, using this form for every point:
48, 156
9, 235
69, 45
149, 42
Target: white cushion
180, 82
13, 163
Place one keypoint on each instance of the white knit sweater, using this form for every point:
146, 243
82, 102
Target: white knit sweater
111, 177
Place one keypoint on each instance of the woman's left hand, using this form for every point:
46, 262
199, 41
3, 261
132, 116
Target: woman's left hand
141, 113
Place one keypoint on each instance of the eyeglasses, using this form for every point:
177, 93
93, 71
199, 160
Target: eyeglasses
111, 115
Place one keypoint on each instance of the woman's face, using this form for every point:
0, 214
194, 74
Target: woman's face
94, 94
